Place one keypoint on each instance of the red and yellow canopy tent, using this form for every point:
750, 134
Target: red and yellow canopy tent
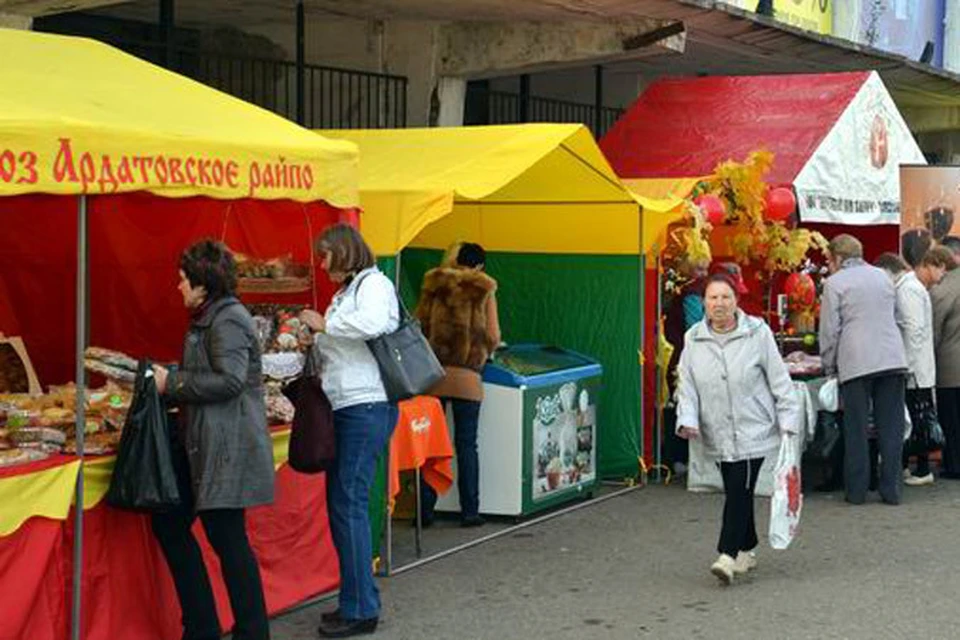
109, 168
837, 140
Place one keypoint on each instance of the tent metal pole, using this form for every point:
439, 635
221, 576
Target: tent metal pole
657, 408
81, 310
388, 552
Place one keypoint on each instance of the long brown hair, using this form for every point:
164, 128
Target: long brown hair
349, 252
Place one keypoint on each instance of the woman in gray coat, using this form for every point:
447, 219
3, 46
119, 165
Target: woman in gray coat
735, 394
223, 454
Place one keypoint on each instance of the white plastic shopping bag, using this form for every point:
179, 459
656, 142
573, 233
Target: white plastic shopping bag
787, 499
829, 395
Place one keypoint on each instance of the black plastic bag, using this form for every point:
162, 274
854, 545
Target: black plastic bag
826, 437
143, 477
926, 435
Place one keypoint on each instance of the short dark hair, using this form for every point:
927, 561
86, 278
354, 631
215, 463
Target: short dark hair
210, 264
721, 277
471, 255
952, 243
892, 263
349, 252
939, 257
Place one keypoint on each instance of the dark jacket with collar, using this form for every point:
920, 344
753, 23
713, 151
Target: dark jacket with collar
219, 389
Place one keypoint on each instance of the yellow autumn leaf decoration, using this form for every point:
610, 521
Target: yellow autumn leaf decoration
756, 239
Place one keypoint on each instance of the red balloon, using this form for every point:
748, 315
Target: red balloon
800, 289
780, 204
713, 207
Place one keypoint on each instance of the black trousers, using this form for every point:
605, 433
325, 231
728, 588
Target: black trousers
884, 394
923, 459
739, 532
948, 410
226, 531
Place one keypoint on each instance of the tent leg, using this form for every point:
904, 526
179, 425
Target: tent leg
658, 410
75, 630
388, 552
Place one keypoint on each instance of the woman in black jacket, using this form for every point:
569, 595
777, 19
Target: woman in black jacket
223, 454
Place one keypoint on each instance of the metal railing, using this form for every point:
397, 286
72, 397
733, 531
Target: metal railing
505, 108
333, 98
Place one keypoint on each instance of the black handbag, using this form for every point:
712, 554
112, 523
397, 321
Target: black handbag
313, 442
408, 365
144, 478
826, 437
926, 434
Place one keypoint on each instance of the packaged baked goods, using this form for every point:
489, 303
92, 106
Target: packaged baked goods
15, 456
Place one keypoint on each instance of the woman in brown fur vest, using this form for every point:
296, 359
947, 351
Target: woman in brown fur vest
458, 313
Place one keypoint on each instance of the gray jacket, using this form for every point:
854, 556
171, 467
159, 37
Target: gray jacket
858, 324
915, 320
219, 389
738, 394
946, 329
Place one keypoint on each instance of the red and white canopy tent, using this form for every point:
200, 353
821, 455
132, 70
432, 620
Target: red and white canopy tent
837, 139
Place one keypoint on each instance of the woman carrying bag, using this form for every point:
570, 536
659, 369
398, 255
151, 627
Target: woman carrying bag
223, 455
364, 308
735, 394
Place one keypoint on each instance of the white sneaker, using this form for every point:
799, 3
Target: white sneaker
907, 474
724, 568
746, 561
919, 481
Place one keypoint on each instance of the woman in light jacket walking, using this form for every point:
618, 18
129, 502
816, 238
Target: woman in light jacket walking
914, 313
365, 307
735, 393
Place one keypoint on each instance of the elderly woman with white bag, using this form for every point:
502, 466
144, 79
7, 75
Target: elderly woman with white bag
735, 394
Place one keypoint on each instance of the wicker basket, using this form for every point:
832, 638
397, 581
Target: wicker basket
286, 284
295, 280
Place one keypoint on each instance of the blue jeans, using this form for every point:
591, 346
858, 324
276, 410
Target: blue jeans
466, 422
363, 432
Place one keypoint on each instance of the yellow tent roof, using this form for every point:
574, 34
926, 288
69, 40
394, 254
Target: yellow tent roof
663, 201
78, 116
411, 178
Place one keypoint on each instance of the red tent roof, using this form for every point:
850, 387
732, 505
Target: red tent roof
686, 126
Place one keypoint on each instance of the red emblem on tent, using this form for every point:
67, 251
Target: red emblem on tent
879, 143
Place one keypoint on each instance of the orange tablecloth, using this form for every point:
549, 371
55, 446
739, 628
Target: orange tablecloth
422, 440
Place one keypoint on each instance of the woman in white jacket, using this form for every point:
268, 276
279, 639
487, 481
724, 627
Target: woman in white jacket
914, 313
735, 394
365, 307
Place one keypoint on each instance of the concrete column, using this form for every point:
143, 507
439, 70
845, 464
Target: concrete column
13, 21
452, 93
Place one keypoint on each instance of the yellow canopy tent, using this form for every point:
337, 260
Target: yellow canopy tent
563, 236
413, 178
78, 116
110, 132
663, 204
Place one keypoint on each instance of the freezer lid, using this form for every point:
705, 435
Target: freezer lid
537, 365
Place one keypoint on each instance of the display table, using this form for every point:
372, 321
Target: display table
422, 441
127, 589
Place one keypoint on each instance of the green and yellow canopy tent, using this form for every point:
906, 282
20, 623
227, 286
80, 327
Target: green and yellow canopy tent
563, 235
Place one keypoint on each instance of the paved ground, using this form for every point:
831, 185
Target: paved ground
636, 566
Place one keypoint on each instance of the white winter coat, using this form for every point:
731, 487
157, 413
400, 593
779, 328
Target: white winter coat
738, 395
915, 320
